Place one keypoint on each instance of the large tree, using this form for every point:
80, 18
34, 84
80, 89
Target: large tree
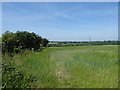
22, 40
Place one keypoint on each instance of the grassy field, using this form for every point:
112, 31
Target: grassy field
72, 67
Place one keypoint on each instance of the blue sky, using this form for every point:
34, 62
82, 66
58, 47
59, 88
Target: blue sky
63, 21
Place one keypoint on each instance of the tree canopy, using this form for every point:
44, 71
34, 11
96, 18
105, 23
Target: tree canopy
22, 40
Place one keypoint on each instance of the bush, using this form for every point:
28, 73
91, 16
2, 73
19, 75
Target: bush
14, 42
13, 78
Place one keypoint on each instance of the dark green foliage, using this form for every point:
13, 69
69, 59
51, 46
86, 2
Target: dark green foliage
13, 78
26, 40
75, 43
44, 42
8, 42
15, 42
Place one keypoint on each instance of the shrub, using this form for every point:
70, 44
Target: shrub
13, 42
14, 78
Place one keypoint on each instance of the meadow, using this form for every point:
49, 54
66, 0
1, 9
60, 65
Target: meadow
71, 67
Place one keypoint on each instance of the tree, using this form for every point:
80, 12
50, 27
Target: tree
21, 40
8, 42
44, 42
26, 40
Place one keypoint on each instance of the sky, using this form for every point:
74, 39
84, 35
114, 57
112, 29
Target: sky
63, 21
60, 0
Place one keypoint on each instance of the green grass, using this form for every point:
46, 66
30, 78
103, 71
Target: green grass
72, 67
53, 43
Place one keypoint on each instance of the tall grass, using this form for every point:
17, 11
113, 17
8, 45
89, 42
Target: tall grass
62, 67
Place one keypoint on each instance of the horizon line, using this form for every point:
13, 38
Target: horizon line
80, 40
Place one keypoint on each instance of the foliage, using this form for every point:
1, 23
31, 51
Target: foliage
13, 78
15, 42
8, 42
77, 43
44, 42
18, 44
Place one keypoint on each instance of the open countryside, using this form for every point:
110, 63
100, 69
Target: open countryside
59, 45
82, 66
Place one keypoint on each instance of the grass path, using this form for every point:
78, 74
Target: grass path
62, 74
85, 67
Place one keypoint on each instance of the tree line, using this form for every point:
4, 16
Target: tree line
77, 43
21, 40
